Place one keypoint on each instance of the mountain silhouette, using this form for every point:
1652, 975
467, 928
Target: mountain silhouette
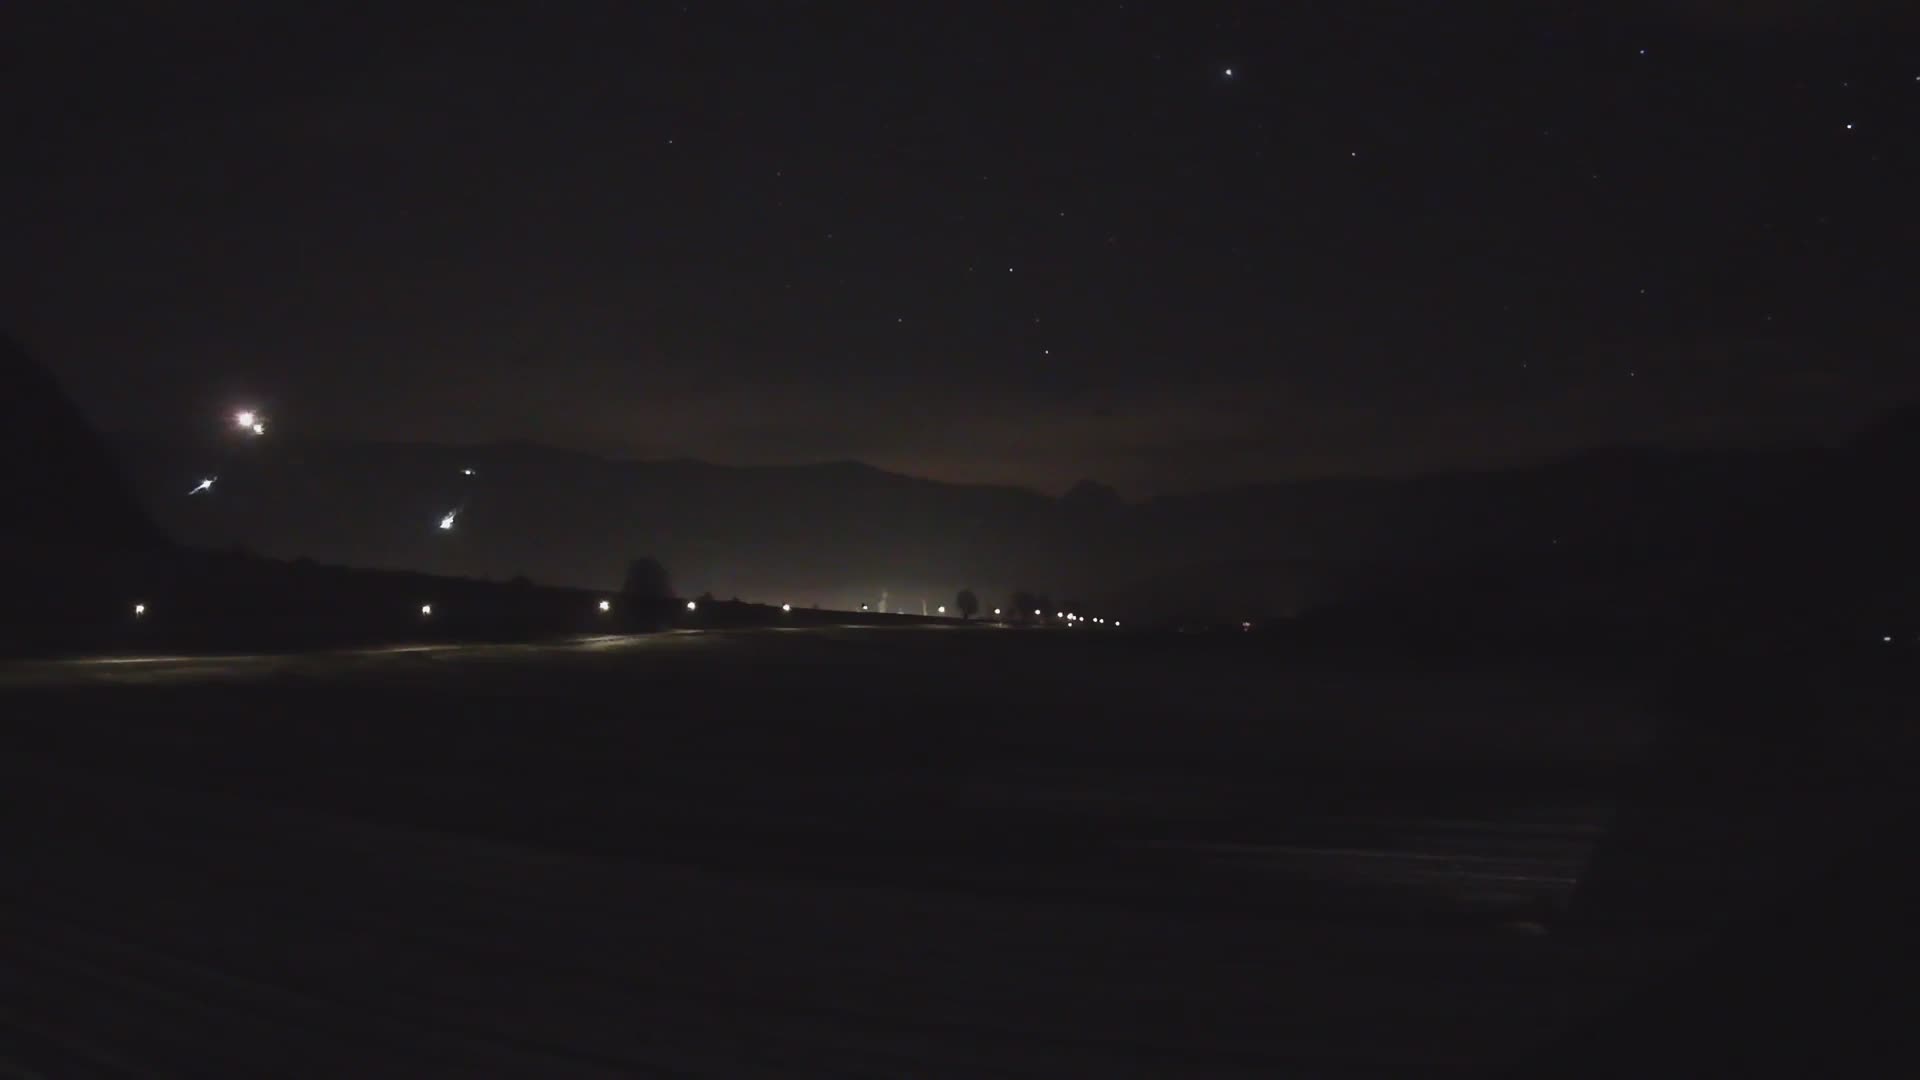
68, 496
841, 533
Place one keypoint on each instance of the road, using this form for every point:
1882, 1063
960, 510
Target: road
825, 852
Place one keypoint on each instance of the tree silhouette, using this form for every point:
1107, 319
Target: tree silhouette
1027, 605
646, 580
968, 603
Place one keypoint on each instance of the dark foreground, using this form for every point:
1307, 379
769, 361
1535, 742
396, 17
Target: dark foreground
826, 852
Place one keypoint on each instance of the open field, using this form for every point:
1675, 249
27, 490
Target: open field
927, 852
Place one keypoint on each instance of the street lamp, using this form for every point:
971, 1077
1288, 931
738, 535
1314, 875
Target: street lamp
606, 606
941, 610
786, 607
691, 606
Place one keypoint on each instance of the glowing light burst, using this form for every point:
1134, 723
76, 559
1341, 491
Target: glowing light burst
446, 522
245, 418
204, 485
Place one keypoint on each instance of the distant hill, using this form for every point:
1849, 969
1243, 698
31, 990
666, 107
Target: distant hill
63, 486
838, 534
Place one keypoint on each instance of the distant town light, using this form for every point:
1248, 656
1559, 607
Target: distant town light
691, 606
786, 607
863, 607
245, 418
466, 472
1036, 613
259, 427
606, 605
139, 610
426, 609
941, 610
996, 613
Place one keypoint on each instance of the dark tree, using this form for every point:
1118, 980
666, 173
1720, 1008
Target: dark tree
1024, 604
968, 603
646, 580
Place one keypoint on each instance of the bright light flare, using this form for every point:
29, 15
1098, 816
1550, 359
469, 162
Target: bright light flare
606, 606
466, 472
139, 610
246, 419
941, 610
426, 609
786, 607
996, 613
447, 521
259, 427
691, 606
204, 485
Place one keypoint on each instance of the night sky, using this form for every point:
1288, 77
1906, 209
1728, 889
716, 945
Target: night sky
1166, 245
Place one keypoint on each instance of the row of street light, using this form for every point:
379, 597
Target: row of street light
605, 607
